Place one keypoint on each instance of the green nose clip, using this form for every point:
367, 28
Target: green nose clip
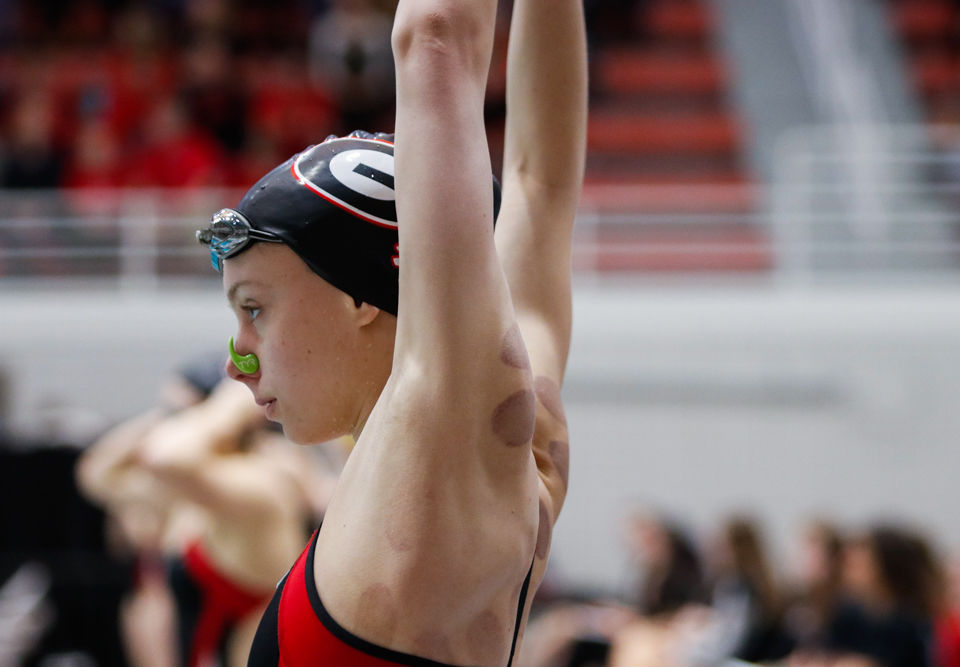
247, 364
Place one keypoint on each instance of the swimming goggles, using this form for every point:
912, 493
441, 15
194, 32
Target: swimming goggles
229, 233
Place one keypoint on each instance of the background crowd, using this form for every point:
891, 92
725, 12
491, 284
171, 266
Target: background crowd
191, 93
874, 595
172, 93
108, 545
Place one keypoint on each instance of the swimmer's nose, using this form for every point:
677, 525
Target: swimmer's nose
238, 364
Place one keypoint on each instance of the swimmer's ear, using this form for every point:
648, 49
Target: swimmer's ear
363, 312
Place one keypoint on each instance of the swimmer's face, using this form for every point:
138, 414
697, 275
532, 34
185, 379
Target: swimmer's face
302, 330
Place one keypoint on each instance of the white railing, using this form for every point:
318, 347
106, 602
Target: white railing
860, 202
135, 236
866, 200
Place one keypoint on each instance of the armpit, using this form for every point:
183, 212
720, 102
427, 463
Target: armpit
560, 456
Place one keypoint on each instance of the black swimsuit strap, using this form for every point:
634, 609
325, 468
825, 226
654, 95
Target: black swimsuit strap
523, 603
372, 649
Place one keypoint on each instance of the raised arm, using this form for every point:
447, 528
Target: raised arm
543, 171
194, 454
451, 285
108, 472
542, 174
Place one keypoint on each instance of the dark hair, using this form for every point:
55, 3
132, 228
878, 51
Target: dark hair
749, 562
678, 581
910, 571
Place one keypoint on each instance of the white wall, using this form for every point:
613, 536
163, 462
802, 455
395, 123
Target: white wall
700, 400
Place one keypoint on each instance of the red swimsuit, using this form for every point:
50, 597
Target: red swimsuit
209, 605
297, 630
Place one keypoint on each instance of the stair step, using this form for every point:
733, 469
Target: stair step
656, 103
733, 250
679, 18
936, 73
924, 19
659, 112
700, 133
638, 71
664, 177
731, 196
664, 167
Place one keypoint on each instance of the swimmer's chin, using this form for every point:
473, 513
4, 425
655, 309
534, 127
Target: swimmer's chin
306, 437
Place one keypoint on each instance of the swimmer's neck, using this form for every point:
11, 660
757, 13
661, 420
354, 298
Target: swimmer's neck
367, 403
374, 370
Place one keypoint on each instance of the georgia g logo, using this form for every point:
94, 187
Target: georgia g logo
354, 174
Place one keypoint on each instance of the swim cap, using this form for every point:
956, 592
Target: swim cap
334, 205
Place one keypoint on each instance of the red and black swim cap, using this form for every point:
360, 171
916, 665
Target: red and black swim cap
334, 205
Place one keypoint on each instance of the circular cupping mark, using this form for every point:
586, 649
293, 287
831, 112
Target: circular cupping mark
548, 391
515, 418
512, 350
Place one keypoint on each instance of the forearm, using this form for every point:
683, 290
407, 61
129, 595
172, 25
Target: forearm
543, 170
102, 469
547, 97
187, 439
198, 454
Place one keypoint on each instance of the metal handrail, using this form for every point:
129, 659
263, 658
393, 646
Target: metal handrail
816, 217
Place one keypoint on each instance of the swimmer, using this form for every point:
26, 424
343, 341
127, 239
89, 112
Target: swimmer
215, 504
377, 301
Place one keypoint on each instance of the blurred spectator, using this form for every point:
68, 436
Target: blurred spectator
288, 111
748, 603
642, 630
573, 633
32, 160
205, 16
96, 161
190, 92
267, 26
140, 69
895, 588
215, 99
350, 54
672, 600
175, 153
819, 583
215, 505
671, 572
7, 11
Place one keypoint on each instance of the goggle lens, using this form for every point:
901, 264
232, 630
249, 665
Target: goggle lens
229, 233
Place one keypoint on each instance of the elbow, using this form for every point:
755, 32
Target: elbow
161, 465
88, 479
441, 35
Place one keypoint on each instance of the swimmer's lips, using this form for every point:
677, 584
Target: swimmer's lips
268, 404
